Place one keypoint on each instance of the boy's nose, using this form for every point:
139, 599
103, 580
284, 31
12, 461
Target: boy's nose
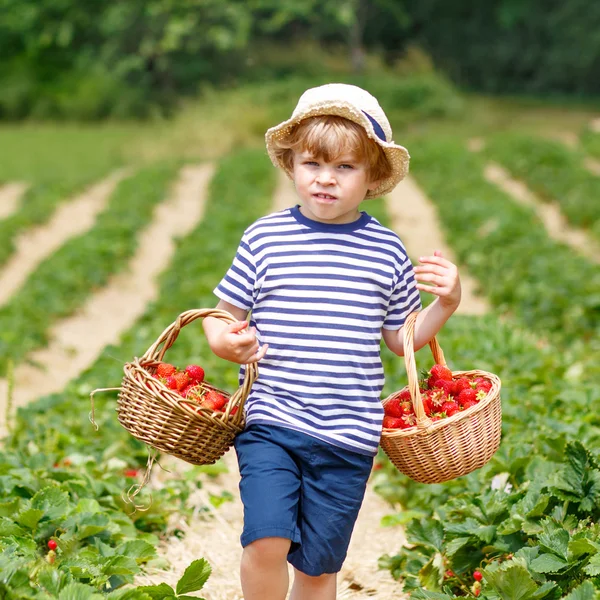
325, 176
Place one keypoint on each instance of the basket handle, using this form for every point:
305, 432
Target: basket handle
411, 367
169, 335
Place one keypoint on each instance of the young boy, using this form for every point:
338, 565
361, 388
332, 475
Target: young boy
324, 282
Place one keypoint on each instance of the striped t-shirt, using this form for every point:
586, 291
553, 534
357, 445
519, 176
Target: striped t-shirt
319, 295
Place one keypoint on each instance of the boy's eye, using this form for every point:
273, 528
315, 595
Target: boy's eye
346, 166
311, 162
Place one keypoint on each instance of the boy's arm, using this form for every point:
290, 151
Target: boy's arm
443, 275
229, 340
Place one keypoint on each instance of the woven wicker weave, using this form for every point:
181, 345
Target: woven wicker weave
164, 420
436, 451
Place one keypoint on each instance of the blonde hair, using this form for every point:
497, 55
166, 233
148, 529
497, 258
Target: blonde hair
329, 137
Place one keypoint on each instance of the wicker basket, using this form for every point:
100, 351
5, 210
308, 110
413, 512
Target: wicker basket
437, 451
164, 420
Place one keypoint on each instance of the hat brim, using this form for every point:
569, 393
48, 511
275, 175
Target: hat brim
397, 155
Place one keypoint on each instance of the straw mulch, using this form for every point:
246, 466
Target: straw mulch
214, 535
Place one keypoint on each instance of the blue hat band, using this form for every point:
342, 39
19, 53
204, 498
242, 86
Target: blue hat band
376, 127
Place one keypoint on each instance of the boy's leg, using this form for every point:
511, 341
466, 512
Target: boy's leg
264, 571
322, 587
269, 488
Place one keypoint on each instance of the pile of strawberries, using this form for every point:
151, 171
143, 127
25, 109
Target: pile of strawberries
442, 395
189, 383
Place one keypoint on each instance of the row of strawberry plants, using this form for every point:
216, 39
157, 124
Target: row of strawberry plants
89, 467
590, 140
527, 518
552, 170
56, 164
545, 285
64, 280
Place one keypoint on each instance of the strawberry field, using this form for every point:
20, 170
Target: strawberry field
524, 527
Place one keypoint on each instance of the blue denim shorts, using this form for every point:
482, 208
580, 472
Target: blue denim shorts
301, 488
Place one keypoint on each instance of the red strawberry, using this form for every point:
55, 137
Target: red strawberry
213, 400
195, 372
460, 384
172, 382
393, 409
165, 370
182, 379
450, 408
52, 545
444, 384
477, 576
440, 372
426, 399
130, 472
468, 404
483, 384
392, 423
466, 396
405, 395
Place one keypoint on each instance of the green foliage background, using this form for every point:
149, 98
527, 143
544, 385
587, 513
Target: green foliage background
80, 60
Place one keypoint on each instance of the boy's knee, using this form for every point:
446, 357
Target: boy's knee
267, 551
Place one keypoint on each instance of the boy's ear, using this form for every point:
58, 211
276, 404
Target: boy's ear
373, 185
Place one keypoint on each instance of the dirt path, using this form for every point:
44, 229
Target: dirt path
415, 220
78, 340
549, 213
72, 218
10, 197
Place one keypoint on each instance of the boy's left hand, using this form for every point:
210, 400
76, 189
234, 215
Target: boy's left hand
443, 277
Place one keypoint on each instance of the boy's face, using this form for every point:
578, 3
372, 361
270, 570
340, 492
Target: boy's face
331, 192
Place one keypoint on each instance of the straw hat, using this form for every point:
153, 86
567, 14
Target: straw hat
355, 104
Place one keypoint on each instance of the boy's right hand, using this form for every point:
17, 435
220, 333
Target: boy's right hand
238, 344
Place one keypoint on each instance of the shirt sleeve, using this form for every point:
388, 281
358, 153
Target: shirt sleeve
238, 285
405, 298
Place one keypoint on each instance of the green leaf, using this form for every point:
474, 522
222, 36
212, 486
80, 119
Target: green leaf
52, 580
79, 591
427, 532
453, 546
158, 592
593, 567
30, 517
194, 577
9, 527
431, 575
401, 518
120, 565
555, 540
422, 594
548, 563
53, 501
581, 546
512, 583
140, 550
583, 592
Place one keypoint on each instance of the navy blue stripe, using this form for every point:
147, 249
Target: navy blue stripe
365, 353
333, 314
269, 377
322, 300
326, 288
356, 374
317, 325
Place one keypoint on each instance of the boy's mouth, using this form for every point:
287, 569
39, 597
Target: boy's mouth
325, 196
